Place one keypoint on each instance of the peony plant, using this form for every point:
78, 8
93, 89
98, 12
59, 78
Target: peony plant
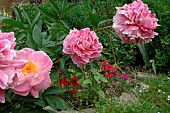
83, 46
24, 71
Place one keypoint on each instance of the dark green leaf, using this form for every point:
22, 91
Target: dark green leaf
62, 63
25, 11
14, 23
69, 8
56, 103
94, 19
36, 18
18, 14
55, 7
54, 90
48, 15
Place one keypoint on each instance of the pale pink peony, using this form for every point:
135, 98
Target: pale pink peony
7, 52
134, 23
6, 78
82, 45
34, 75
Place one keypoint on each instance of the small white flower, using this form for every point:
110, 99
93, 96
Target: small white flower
168, 97
140, 91
159, 90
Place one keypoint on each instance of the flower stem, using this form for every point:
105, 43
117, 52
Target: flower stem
103, 28
110, 42
58, 60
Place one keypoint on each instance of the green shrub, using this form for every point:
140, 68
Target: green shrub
159, 48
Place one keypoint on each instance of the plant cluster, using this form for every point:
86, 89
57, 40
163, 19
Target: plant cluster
84, 57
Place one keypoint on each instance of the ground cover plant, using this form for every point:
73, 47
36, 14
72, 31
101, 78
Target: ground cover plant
79, 54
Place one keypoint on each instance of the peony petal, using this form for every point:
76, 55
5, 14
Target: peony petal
2, 96
34, 93
22, 87
44, 84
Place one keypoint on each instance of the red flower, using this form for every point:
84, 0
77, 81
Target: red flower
106, 67
74, 80
77, 85
64, 82
110, 75
73, 91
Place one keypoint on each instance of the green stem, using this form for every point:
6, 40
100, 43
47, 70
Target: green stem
107, 27
113, 53
58, 60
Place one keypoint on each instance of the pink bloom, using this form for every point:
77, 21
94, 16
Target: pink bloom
6, 78
127, 68
2, 95
132, 80
134, 23
7, 52
82, 45
124, 76
34, 75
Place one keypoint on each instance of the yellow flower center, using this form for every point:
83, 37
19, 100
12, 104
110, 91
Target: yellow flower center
29, 68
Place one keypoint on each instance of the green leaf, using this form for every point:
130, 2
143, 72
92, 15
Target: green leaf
66, 25
56, 103
48, 15
62, 67
55, 7
18, 14
69, 8
30, 42
25, 11
103, 79
54, 90
144, 53
40, 103
94, 19
2, 18
86, 81
101, 93
14, 23
37, 35
97, 78
62, 63
36, 18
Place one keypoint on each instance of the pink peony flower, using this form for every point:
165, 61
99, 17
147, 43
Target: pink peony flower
6, 78
7, 52
34, 75
2, 95
134, 23
82, 45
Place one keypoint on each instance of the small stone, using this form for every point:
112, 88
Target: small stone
125, 97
